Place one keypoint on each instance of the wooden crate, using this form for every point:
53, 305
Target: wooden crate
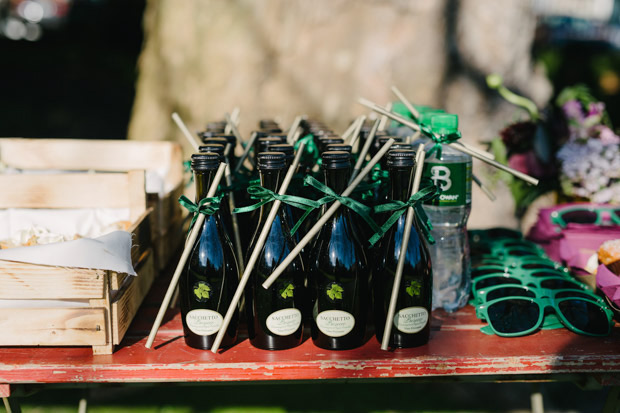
112, 298
113, 156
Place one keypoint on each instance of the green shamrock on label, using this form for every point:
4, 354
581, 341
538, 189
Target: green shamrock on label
414, 288
288, 291
334, 291
201, 291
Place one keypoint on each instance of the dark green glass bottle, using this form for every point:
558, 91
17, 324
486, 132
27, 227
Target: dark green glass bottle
411, 326
339, 273
275, 315
210, 276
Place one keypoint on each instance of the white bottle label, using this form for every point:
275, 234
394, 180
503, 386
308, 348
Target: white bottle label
411, 320
335, 323
204, 322
284, 322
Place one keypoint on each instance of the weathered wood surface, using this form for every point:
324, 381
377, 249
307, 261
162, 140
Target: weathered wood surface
20, 281
456, 348
52, 327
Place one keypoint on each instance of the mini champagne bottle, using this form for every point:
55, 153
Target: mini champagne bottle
275, 319
411, 326
210, 276
338, 270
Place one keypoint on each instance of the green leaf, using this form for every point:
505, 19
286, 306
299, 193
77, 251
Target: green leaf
335, 292
202, 291
288, 291
414, 288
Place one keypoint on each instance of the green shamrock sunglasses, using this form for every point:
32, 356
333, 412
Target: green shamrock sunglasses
514, 316
518, 290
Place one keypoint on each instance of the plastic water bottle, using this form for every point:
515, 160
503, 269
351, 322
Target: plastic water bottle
449, 214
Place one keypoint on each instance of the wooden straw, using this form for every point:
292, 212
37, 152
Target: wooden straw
406, 102
190, 138
232, 204
483, 187
247, 150
350, 129
234, 115
257, 249
387, 331
416, 114
384, 118
296, 136
193, 235
293, 130
459, 148
362, 155
326, 216
356, 132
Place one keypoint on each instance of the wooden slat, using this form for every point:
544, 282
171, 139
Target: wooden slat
93, 154
165, 210
128, 300
105, 190
30, 281
107, 347
52, 326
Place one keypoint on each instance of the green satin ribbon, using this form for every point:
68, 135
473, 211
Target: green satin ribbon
266, 195
360, 209
427, 193
311, 151
441, 140
206, 206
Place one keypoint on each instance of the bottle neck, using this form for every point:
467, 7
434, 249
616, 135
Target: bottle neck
337, 179
269, 179
203, 182
400, 183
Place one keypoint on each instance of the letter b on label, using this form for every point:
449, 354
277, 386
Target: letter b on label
441, 177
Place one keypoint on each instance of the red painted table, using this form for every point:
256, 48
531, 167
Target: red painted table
457, 348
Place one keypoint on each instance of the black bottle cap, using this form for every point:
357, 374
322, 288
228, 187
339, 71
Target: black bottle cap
219, 141
328, 140
287, 150
336, 160
264, 144
383, 139
339, 147
399, 145
212, 147
271, 160
401, 158
205, 161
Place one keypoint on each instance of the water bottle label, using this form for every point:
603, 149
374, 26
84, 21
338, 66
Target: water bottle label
335, 323
284, 322
204, 322
411, 320
454, 180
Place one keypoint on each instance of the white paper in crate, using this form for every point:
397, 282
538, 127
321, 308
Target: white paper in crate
108, 252
98, 248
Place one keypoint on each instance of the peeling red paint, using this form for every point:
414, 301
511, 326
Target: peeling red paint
456, 348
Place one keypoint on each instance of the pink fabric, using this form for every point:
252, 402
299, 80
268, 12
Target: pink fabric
608, 283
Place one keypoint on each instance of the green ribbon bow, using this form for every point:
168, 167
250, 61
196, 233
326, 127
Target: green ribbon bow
206, 206
356, 206
266, 195
311, 151
427, 193
440, 140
